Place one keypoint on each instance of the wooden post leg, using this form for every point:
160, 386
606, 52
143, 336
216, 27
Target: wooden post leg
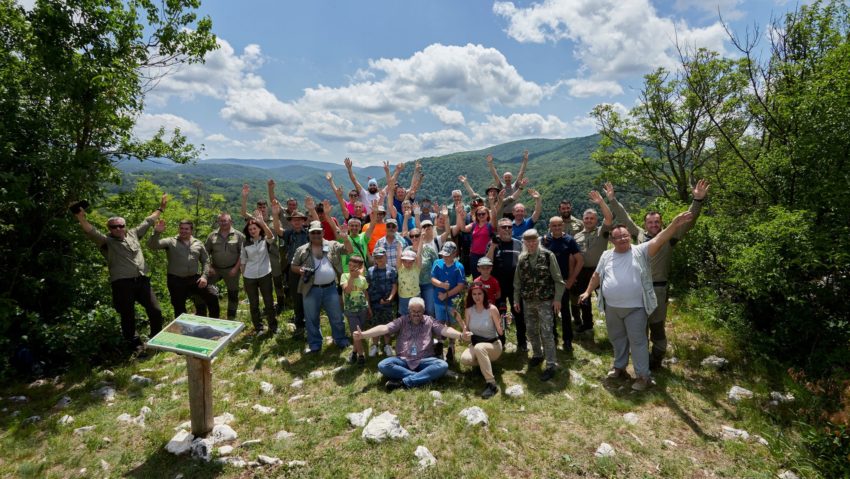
200, 395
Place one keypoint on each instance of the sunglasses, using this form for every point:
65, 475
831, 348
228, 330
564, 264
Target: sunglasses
427, 226
505, 227
414, 236
117, 227
315, 232
394, 227
480, 214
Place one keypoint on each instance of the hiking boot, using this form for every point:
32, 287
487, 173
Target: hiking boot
522, 348
618, 374
438, 350
352, 357
361, 360
642, 383
548, 373
450, 354
534, 362
394, 384
489, 391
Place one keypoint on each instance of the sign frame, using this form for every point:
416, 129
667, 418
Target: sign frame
203, 348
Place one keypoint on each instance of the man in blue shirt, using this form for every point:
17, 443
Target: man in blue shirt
521, 223
570, 262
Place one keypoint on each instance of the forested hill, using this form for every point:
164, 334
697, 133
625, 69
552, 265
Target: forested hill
559, 169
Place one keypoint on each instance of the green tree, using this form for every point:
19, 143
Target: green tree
74, 74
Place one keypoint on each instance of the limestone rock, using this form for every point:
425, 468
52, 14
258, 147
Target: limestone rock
19, 399
140, 380
268, 460
293, 464
728, 433
385, 426
202, 449
605, 450
426, 459
283, 435
761, 440
223, 433
297, 397
32, 419
266, 388
737, 393
669, 444
715, 362
225, 450
251, 443
65, 420
515, 391
297, 384
777, 398
510, 348
105, 393
82, 430
630, 418
263, 409
316, 374
64, 402
576, 378
359, 419
181, 443
474, 416
180, 381
787, 475
225, 418
232, 461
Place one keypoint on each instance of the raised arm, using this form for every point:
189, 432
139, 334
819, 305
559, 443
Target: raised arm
522, 167
276, 227
620, 212
388, 194
667, 233
419, 249
699, 192
460, 221
596, 198
310, 204
270, 186
472, 193
373, 220
338, 193
348, 166
492, 168
156, 242
342, 235
538, 204
244, 211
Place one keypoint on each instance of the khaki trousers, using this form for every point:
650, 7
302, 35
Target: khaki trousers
483, 354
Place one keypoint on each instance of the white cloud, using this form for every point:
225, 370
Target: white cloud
147, 125
583, 87
27, 4
274, 142
498, 129
257, 107
448, 117
224, 141
613, 39
728, 9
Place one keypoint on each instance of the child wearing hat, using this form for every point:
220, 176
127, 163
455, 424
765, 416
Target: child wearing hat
383, 286
449, 280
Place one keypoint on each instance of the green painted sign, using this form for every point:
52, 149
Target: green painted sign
196, 335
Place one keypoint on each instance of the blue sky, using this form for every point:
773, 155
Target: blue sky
399, 80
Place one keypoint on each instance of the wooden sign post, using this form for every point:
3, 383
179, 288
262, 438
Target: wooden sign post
199, 339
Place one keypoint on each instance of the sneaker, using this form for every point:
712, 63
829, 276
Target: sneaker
438, 350
394, 384
489, 391
617, 373
642, 383
361, 360
373, 350
534, 362
388, 351
352, 357
450, 354
548, 373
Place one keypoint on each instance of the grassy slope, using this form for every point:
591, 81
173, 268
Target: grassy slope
552, 431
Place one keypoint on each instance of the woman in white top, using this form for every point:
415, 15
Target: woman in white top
256, 267
482, 319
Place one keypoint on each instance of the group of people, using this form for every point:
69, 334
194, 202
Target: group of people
395, 265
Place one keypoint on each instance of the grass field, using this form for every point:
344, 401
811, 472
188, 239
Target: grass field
551, 431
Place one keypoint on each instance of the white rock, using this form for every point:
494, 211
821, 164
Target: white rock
225, 418
436, 395
283, 361
728, 433
283, 435
66, 419
160, 386
263, 409
737, 393
604, 450
82, 430
104, 465
670, 361
181, 443
359, 419
337, 369
316, 374
145, 411
184, 425
225, 450
761, 440
474, 415
266, 388
106, 439
779, 398
292, 464
596, 362
107, 373
669, 444
515, 391
385, 426
426, 459
140, 380
18, 399
64, 402
630, 418
510, 348
242, 351
223, 433
297, 384
297, 397
202, 449
179, 381
576, 378
268, 460
714, 362
251, 443
232, 461
32, 419
787, 475
106, 393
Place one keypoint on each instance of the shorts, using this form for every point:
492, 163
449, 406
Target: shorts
443, 313
382, 316
358, 319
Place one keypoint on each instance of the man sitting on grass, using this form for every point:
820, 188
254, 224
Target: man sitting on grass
414, 364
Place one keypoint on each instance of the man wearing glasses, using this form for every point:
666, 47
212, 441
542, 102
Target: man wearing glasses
128, 273
504, 251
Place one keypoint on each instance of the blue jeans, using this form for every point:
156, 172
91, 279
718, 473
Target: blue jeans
314, 301
429, 369
402, 305
426, 292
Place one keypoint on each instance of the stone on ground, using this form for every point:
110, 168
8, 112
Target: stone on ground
787, 475
251, 443
714, 362
223, 433
426, 459
202, 449
383, 427
106, 393
515, 391
576, 378
283, 435
777, 398
359, 419
66, 419
292, 464
140, 380
630, 418
436, 395
263, 409
728, 433
297, 384
225, 450
316, 374
82, 430
474, 416
181, 443
604, 450
737, 393
232, 461
269, 460
63, 403
266, 388
225, 418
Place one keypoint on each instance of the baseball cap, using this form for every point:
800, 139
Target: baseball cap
379, 252
315, 226
409, 255
485, 261
449, 248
